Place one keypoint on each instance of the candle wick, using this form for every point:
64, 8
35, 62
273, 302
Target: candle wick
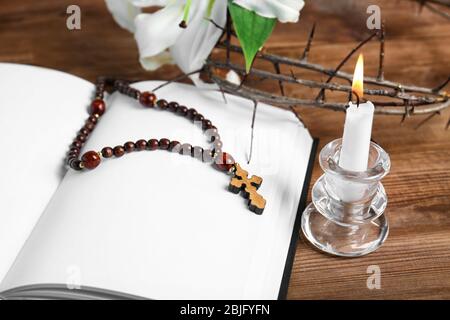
357, 98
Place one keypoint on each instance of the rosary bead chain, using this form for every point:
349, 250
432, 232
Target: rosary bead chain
73, 155
91, 159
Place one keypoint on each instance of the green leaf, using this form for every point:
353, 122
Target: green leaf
252, 31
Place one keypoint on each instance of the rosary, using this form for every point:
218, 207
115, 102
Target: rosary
222, 160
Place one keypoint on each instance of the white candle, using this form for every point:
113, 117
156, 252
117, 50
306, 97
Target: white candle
354, 154
358, 127
356, 139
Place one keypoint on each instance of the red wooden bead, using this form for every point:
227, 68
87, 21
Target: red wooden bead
208, 156
197, 152
182, 110
98, 107
72, 154
186, 149
129, 146
162, 104
206, 124
217, 144
118, 151
82, 138
89, 126
92, 119
77, 144
141, 144
147, 99
224, 161
153, 144
70, 160
84, 131
199, 117
76, 165
91, 159
164, 143
174, 146
173, 106
75, 150
107, 152
191, 113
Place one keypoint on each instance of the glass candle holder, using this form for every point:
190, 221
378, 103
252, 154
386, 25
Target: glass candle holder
346, 216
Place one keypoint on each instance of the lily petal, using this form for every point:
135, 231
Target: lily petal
233, 77
154, 62
283, 10
123, 12
149, 3
156, 32
201, 35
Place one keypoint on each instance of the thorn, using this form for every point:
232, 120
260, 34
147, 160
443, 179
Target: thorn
321, 94
380, 76
280, 83
221, 90
223, 95
434, 9
441, 86
406, 114
421, 5
255, 105
403, 118
180, 77
308, 44
293, 75
427, 119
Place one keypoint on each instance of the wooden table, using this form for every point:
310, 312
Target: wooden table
415, 260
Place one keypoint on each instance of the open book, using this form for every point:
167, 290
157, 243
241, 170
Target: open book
151, 224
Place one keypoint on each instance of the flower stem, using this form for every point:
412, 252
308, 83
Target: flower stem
187, 7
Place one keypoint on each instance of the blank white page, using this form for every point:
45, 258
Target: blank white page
40, 112
161, 225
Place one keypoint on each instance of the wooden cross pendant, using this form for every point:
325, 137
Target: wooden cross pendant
249, 187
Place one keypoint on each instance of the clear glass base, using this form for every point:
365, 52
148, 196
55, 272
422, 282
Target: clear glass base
343, 240
346, 217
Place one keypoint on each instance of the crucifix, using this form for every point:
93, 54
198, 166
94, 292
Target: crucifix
249, 187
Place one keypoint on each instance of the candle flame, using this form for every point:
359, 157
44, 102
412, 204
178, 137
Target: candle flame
358, 77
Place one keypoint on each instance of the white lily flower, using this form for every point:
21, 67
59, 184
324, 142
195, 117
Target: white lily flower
283, 10
161, 40
123, 12
159, 36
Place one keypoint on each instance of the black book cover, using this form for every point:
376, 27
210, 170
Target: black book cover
295, 232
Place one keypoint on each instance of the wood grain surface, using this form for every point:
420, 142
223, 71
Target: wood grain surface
415, 260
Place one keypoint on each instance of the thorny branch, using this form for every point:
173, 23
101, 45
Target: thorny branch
440, 7
396, 98
389, 97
